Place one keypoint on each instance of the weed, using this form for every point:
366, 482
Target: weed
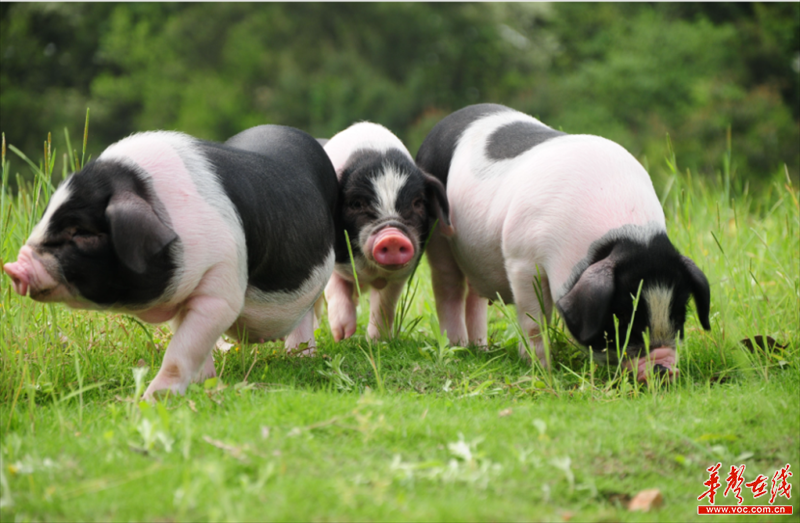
340, 380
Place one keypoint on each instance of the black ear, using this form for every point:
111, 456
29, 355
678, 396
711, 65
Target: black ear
700, 290
136, 232
586, 306
437, 195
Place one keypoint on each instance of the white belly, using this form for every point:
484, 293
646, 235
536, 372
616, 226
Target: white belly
273, 315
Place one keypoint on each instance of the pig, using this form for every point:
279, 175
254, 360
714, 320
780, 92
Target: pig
167, 227
388, 209
576, 212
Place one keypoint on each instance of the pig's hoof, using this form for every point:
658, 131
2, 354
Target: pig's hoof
374, 333
342, 331
163, 384
158, 394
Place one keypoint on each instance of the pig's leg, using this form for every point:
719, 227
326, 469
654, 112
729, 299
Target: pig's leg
382, 304
205, 316
208, 369
303, 333
521, 275
476, 311
341, 307
448, 289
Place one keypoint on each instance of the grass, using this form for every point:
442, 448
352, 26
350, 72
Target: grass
409, 429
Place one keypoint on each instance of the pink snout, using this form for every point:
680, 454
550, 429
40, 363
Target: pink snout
660, 362
392, 248
19, 277
29, 275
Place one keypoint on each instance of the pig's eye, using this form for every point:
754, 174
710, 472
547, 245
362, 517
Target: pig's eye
357, 204
88, 241
53, 242
419, 204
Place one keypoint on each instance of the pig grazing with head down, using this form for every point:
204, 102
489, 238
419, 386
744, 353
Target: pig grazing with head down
388, 208
167, 227
527, 201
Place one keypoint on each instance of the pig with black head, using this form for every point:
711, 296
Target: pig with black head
388, 207
576, 212
214, 239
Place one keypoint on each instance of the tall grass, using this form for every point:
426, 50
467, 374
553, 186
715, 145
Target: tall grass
746, 243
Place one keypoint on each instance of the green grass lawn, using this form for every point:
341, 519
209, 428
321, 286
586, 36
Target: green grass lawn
410, 429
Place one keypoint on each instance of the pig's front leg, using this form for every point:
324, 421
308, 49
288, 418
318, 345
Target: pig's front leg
529, 312
382, 305
448, 289
476, 312
208, 370
341, 307
205, 316
303, 333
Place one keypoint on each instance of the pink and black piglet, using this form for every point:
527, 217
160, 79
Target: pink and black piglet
214, 239
527, 201
388, 207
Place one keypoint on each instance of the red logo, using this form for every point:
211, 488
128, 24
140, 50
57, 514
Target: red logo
734, 480
713, 484
778, 486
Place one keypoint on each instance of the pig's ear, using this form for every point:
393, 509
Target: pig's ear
700, 291
437, 195
136, 232
586, 306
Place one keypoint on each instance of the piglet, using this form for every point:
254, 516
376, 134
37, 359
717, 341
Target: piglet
579, 214
388, 209
167, 227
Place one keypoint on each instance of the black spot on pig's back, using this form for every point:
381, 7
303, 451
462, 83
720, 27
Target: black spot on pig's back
436, 152
511, 140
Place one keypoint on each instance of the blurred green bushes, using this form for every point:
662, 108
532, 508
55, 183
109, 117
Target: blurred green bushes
630, 72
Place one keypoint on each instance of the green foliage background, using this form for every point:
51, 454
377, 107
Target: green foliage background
630, 72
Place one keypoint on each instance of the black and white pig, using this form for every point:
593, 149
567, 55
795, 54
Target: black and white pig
388, 208
167, 227
578, 210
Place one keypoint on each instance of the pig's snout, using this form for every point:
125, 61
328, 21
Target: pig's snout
660, 363
19, 276
392, 248
29, 275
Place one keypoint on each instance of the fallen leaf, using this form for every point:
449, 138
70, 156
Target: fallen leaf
264, 432
505, 412
765, 343
192, 406
645, 500
141, 363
